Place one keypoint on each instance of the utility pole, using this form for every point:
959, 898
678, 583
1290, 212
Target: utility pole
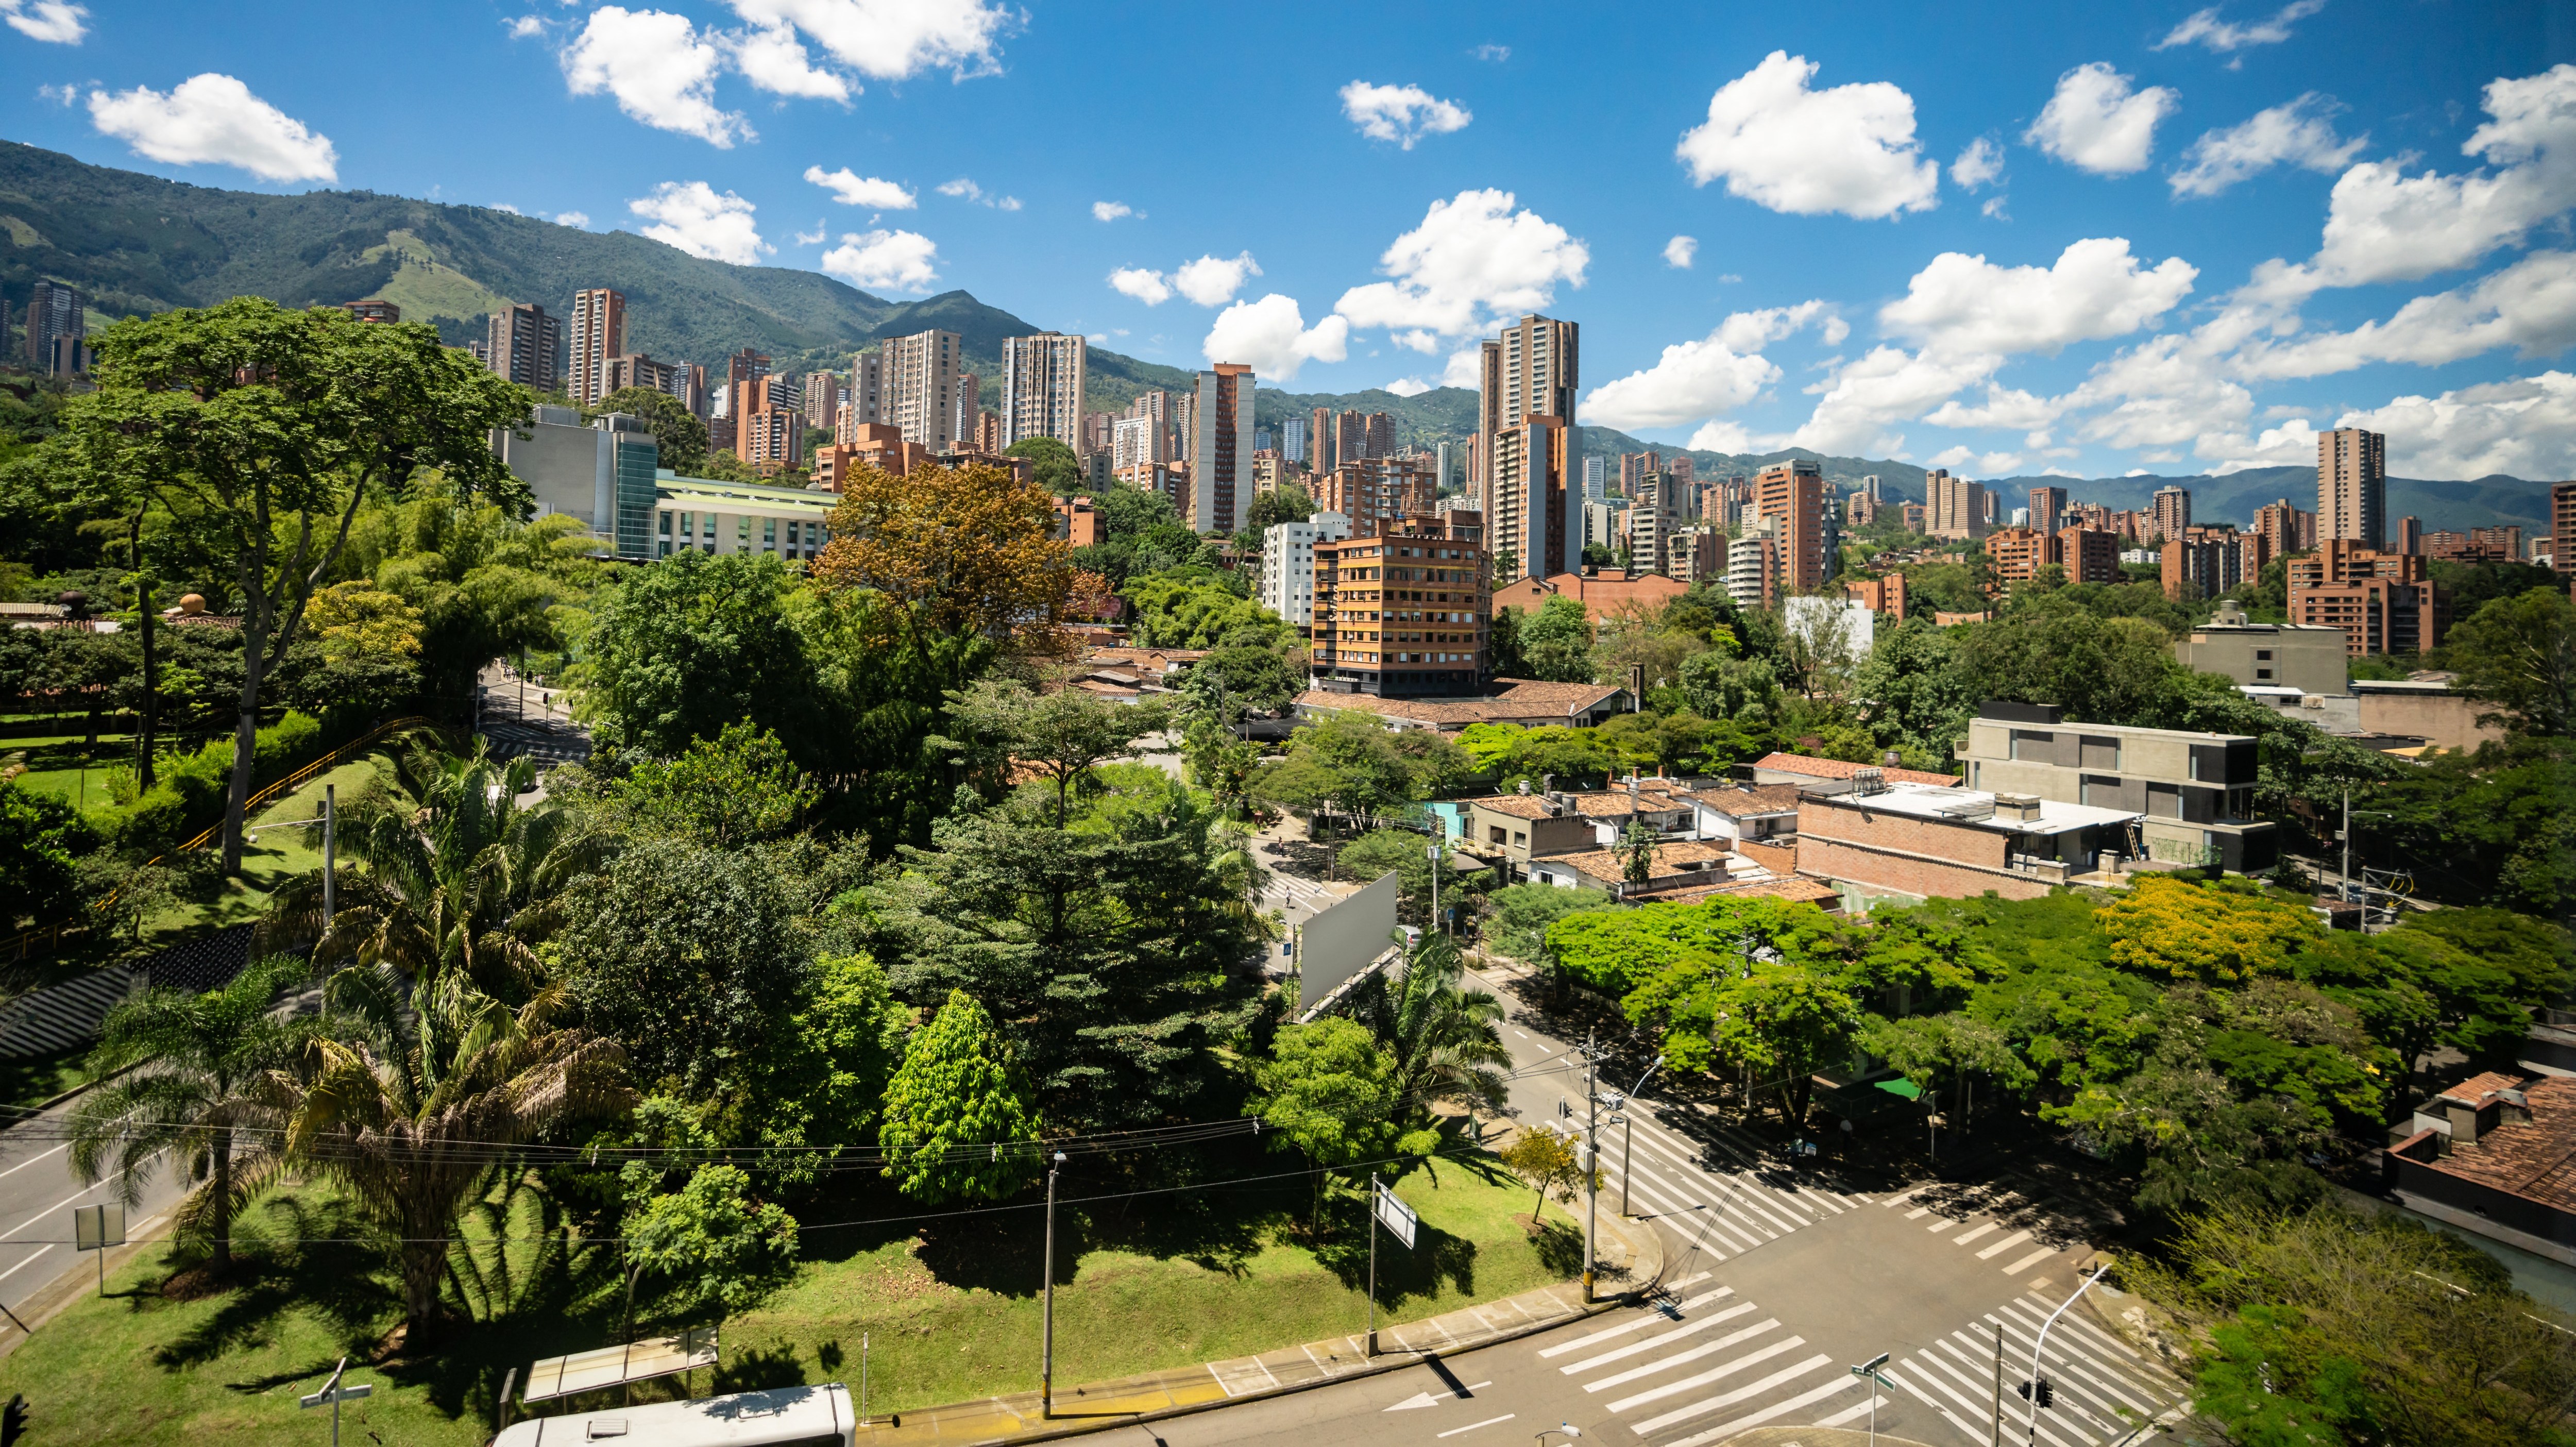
1434, 852
1372, 1287
1623, 1115
1046, 1348
1998, 1440
2344, 889
1591, 1163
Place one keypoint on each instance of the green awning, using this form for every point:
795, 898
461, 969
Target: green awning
1902, 1086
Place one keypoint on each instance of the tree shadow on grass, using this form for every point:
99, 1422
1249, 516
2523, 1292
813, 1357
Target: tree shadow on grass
320, 1267
1435, 1258
759, 1371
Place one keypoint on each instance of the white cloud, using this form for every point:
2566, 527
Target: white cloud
1401, 113
694, 217
1408, 386
2530, 305
214, 117
1463, 368
1110, 210
966, 190
1699, 379
2004, 407
2383, 225
1862, 397
1725, 436
62, 95
813, 237
885, 260
1981, 162
892, 39
772, 58
1213, 280
1272, 336
48, 20
572, 218
2163, 392
1146, 286
527, 26
2291, 444
506, 206
1850, 149
1491, 52
2205, 29
1987, 464
2525, 426
1961, 305
2298, 133
1679, 251
1472, 258
658, 68
2096, 123
851, 189
1994, 209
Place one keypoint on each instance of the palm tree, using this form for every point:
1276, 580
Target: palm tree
1446, 1042
413, 1108
199, 1092
459, 876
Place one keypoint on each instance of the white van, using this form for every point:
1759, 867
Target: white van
787, 1417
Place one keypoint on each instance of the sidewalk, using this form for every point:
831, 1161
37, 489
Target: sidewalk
1632, 1261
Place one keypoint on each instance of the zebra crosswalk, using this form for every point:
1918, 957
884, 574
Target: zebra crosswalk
2104, 1388
2013, 1252
1717, 1178
1712, 1365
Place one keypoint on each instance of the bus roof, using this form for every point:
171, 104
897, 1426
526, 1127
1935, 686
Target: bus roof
798, 1415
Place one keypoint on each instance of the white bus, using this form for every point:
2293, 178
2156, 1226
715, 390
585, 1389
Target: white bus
787, 1417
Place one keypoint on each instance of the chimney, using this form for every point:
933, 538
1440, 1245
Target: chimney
1547, 785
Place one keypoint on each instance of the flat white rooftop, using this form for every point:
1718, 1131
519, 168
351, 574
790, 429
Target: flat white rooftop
1977, 807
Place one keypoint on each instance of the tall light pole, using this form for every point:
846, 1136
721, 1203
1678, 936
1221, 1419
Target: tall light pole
1620, 1107
1591, 1162
1046, 1347
330, 849
2040, 1345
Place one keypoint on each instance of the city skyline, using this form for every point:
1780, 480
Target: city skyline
2148, 243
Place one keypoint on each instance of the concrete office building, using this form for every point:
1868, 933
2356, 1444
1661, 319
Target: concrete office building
2268, 655
602, 474
598, 334
1043, 389
926, 386
1955, 508
1531, 370
1794, 493
2352, 486
1221, 450
1287, 585
2194, 791
521, 344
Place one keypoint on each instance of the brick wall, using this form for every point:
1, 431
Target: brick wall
1781, 859
1883, 850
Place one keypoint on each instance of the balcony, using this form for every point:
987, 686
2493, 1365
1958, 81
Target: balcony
2054, 871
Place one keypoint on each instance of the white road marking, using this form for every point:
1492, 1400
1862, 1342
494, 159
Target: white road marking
1667, 1363
2027, 1262
1964, 1237
1703, 1379
1650, 1319
1472, 1426
2004, 1245
1776, 1409
1750, 1389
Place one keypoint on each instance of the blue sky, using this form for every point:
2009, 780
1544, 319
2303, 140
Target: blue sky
2009, 238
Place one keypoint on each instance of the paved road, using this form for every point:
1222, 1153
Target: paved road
37, 1194
1777, 1283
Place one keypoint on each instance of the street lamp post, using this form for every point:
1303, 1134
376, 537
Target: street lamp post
1621, 1117
1566, 1430
1046, 1346
2042, 1344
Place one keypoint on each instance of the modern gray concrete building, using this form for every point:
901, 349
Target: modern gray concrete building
2269, 655
2194, 791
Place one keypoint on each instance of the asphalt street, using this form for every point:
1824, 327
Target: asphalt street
1778, 1282
37, 1196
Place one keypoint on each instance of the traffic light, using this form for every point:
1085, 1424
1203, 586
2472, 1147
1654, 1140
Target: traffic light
2024, 1389
2047, 1393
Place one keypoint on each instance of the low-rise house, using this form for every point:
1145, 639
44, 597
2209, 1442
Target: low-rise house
1745, 811
1922, 840
2495, 1154
1675, 863
1834, 776
1514, 829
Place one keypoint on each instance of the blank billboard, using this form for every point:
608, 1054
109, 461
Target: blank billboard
1339, 942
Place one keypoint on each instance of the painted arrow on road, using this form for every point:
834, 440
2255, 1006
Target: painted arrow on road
1434, 1399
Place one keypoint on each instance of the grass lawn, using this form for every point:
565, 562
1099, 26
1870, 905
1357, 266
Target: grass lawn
55, 765
950, 1313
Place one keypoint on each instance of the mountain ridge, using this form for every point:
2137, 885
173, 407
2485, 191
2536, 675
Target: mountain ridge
138, 243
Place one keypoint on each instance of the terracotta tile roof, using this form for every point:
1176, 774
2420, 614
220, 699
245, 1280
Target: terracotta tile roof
1791, 887
1158, 659
2533, 1159
1520, 703
1844, 769
1653, 797
1608, 866
1747, 800
1518, 806
1530, 695
2474, 1090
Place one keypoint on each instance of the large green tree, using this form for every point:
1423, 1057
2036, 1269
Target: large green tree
265, 430
959, 1120
679, 436
681, 648
2519, 654
1054, 465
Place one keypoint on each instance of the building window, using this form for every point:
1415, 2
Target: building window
1519, 838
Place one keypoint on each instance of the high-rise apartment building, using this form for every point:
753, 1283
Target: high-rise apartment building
2384, 602
521, 343
772, 438
2047, 508
598, 333
1042, 389
1441, 476
57, 334
822, 400
685, 381
2352, 485
1287, 585
1404, 610
1534, 517
2410, 533
1319, 439
866, 396
1794, 492
2204, 562
1752, 566
1531, 370
2172, 511
1292, 436
924, 377
1954, 507
1359, 436
1870, 487
1376, 487
1220, 485
1633, 467
1596, 479
2562, 527
1137, 439
2285, 529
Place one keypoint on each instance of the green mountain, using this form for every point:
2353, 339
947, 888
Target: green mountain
2485, 502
